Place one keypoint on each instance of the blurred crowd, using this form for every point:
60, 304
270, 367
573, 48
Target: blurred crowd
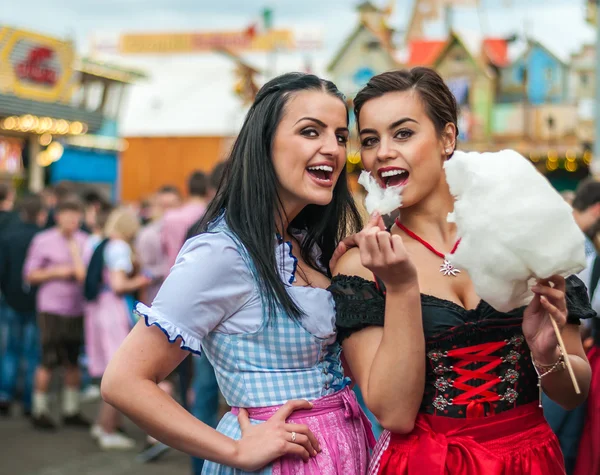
72, 264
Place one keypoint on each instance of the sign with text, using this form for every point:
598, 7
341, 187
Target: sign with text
35, 67
243, 40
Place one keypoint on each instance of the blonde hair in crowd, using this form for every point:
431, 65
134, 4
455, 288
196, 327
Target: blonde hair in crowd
124, 222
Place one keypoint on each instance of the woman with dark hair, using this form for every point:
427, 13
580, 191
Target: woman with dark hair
454, 382
249, 290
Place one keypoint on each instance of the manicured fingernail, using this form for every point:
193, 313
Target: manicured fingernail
314, 453
375, 214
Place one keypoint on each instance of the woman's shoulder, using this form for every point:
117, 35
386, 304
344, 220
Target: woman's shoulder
350, 264
216, 247
359, 302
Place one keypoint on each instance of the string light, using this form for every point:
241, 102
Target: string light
76, 128
43, 125
44, 159
10, 123
551, 165
571, 156
552, 156
55, 151
571, 166
45, 140
587, 157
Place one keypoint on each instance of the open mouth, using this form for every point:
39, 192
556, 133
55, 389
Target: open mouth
322, 174
393, 176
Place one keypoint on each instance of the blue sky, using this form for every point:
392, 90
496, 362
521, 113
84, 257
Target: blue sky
195, 94
558, 23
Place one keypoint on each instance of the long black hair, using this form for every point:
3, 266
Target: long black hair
248, 197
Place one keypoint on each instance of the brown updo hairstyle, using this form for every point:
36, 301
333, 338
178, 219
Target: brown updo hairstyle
438, 101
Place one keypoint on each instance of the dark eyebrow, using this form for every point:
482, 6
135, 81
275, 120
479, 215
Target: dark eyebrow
392, 125
320, 122
323, 124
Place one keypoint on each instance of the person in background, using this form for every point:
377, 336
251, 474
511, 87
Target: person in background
96, 221
94, 203
53, 195
54, 263
578, 430
107, 321
7, 218
7, 200
586, 211
568, 425
177, 222
95, 217
568, 196
153, 260
145, 212
19, 328
149, 247
204, 385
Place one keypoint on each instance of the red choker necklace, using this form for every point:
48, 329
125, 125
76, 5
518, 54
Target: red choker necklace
446, 268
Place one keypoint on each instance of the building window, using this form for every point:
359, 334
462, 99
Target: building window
372, 45
460, 57
78, 96
113, 100
94, 93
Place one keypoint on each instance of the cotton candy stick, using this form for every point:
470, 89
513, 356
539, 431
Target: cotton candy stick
561, 344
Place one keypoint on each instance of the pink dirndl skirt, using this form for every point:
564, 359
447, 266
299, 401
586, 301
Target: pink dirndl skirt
342, 429
107, 324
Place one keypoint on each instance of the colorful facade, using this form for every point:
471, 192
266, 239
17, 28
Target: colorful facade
537, 76
58, 113
533, 102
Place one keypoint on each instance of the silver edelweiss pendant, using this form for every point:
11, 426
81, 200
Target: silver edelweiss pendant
448, 269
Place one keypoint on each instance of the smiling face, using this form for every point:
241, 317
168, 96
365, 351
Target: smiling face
401, 146
309, 149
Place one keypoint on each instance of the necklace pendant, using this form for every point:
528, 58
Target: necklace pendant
448, 269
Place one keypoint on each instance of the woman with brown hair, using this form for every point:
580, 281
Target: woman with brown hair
454, 381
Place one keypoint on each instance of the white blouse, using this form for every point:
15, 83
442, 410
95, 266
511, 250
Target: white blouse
211, 289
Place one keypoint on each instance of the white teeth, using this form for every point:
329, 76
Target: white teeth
325, 168
392, 173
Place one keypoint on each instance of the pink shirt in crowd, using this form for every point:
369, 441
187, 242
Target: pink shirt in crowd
59, 297
152, 257
176, 224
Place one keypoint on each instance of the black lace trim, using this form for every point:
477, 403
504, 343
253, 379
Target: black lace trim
578, 302
359, 304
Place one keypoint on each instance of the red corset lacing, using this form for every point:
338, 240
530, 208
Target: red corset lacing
475, 397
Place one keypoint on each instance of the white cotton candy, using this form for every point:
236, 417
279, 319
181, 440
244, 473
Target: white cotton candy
514, 227
383, 200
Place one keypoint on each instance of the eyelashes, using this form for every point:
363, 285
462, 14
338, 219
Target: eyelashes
402, 134
313, 133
